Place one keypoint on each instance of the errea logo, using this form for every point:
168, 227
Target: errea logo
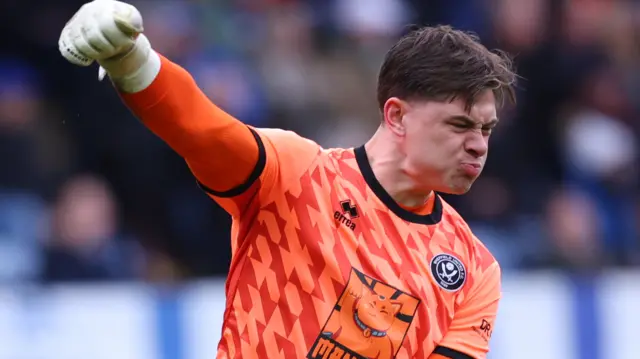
347, 213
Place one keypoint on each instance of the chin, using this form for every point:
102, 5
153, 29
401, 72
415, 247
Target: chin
459, 188
456, 191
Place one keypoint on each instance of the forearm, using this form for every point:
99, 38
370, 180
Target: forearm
220, 150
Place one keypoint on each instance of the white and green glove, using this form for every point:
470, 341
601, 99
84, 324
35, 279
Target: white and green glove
110, 32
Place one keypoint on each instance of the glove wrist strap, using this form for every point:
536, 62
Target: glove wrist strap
134, 71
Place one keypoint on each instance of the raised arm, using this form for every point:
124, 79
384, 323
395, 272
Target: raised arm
231, 161
221, 151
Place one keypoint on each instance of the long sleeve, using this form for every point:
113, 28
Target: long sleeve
231, 161
220, 150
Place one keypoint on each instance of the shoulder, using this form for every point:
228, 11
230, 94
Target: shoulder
285, 150
286, 138
475, 251
291, 158
290, 144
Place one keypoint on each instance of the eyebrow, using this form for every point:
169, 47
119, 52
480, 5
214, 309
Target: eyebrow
494, 121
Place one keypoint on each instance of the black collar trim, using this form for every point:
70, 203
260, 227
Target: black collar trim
383, 195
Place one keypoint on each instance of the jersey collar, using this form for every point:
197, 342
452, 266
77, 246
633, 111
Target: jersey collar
367, 172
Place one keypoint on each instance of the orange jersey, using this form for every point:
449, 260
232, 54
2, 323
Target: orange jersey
324, 263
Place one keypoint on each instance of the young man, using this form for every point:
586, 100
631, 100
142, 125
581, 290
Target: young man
337, 253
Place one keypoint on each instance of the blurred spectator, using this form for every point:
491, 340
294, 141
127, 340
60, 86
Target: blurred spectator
574, 231
28, 159
86, 242
601, 152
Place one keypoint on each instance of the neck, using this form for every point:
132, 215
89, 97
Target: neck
387, 164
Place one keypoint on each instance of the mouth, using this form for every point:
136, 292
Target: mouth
471, 169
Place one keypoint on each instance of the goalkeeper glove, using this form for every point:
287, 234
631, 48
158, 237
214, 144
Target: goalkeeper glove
110, 33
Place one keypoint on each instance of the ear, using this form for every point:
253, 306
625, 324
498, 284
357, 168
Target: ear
396, 306
393, 112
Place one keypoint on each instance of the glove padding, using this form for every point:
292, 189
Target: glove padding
109, 32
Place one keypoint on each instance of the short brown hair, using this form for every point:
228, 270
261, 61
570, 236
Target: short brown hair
441, 63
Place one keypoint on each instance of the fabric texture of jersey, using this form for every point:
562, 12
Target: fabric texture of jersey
326, 265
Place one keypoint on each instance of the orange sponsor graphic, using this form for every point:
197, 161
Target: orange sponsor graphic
370, 320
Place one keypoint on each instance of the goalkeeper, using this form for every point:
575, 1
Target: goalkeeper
344, 252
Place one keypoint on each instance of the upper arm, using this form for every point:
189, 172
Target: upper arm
283, 156
470, 331
231, 161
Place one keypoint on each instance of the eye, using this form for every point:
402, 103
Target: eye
461, 125
487, 130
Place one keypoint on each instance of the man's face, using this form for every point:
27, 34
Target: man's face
445, 147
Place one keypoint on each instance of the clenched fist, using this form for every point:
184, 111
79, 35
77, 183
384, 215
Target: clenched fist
109, 32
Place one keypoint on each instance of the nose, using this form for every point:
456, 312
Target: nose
477, 144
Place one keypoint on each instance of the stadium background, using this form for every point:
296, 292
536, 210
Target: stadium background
109, 250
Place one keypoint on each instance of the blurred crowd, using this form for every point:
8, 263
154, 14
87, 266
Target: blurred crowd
88, 194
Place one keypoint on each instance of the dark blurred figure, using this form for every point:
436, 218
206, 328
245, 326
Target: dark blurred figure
86, 242
29, 150
572, 226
